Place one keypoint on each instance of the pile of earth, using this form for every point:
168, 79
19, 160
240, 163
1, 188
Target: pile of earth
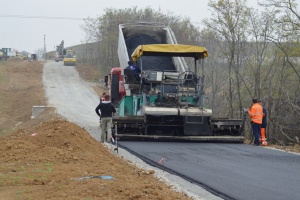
50, 158
58, 160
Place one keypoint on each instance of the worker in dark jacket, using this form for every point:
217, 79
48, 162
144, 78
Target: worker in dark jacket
107, 110
263, 138
135, 70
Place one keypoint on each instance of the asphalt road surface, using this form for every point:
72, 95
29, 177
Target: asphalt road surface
230, 171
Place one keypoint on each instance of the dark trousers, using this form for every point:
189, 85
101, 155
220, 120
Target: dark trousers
256, 132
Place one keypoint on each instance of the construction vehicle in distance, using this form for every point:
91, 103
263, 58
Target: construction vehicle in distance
70, 58
166, 102
60, 52
65, 55
4, 53
33, 57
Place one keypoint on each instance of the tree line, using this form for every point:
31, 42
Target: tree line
252, 54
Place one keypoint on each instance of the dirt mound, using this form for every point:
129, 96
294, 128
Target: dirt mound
45, 162
44, 157
49, 142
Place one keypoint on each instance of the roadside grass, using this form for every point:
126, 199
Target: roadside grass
23, 194
89, 72
2, 74
3, 84
31, 174
49, 167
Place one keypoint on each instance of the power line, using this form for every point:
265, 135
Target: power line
40, 17
67, 18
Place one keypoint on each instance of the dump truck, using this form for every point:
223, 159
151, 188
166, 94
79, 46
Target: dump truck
167, 101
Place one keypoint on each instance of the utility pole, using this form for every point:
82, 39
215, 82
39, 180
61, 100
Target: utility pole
45, 56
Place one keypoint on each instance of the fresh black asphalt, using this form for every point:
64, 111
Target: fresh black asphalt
230, 171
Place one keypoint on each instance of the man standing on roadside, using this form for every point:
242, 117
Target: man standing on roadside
263, 138
256, 115
106, 109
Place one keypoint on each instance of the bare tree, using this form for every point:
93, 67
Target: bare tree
229, 22
215, 74
285, 99
287, 28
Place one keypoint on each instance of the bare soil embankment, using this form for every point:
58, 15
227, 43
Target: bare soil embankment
42, 158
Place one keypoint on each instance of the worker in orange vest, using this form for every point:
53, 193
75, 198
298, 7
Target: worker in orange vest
256, 115
263, 139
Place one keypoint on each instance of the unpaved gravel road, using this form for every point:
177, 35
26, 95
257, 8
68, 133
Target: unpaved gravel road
72, 97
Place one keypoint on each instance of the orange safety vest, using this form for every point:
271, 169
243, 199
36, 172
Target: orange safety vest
256, 113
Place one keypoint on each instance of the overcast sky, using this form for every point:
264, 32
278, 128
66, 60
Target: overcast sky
23, 33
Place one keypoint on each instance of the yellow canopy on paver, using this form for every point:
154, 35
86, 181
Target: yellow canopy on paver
174, 50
